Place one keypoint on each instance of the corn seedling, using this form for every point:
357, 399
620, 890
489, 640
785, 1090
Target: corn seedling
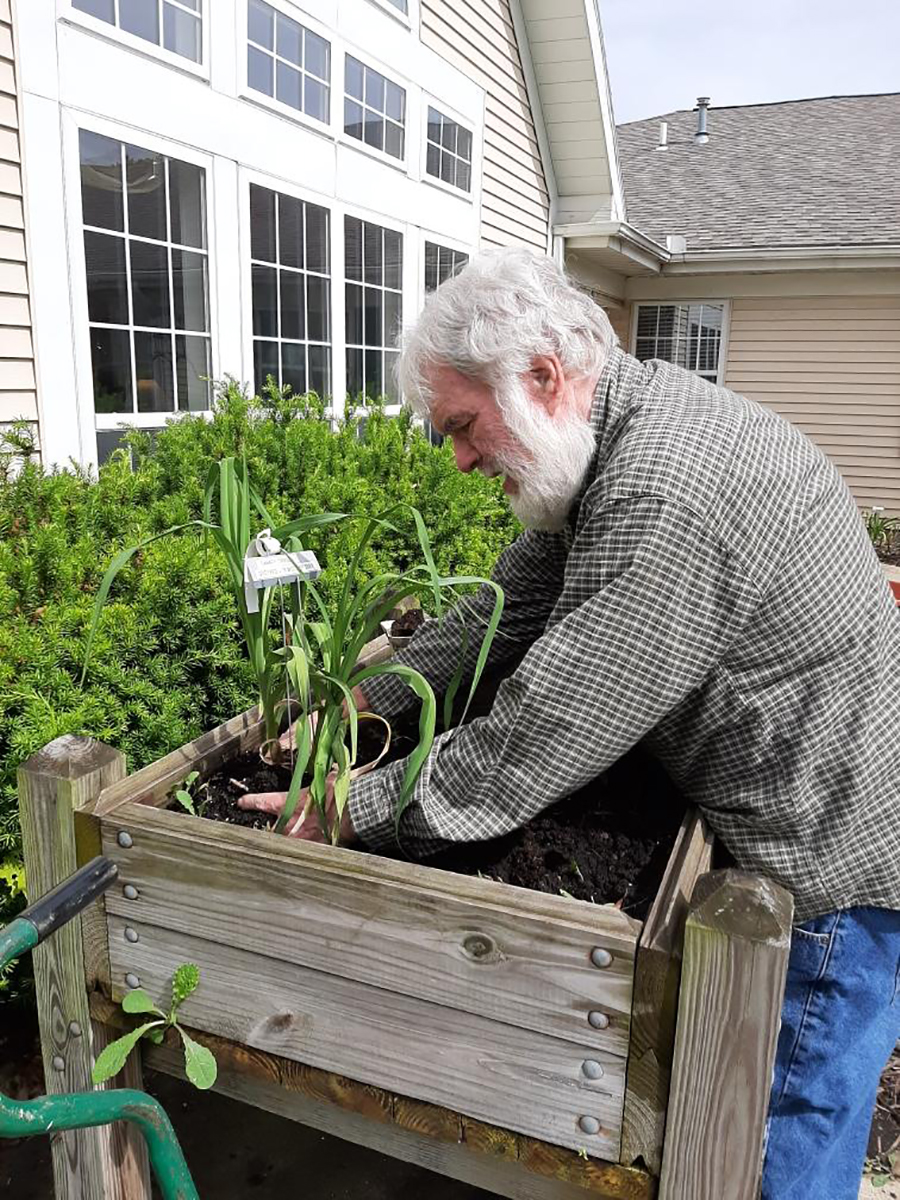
880, 529
199, 1063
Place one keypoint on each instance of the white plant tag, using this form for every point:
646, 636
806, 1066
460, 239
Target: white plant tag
266, 565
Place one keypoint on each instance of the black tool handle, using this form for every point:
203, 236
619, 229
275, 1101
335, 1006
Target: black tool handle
68, 898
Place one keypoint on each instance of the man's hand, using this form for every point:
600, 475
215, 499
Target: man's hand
303, 825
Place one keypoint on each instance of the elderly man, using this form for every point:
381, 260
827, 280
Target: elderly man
694, 576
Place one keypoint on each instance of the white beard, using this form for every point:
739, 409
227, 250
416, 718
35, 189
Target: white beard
550, 462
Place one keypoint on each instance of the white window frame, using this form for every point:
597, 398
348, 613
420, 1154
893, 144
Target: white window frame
246, 92
344, 138
472, 127
68, 13
448, 243
409, 20
671, 301
93, 422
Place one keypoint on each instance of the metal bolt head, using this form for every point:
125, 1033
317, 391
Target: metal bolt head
131, 980
131, 935
125, 840
59, 1063
588, 1124
592, 1069
600, 957
130, 892
598, 1020
74, 1029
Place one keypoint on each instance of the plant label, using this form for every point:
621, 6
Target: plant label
270, 570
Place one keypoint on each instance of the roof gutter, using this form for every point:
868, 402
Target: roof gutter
783, 258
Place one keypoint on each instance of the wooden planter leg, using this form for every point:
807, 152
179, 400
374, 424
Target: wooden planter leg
736, 945
109, 1162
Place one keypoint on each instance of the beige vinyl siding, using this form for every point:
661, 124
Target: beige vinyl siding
17, 383
830, 364
478, 37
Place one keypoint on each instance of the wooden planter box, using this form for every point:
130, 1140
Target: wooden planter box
520, 1036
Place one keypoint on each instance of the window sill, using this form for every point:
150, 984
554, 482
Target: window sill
449, 188
276, 108
128, 41
398, 164
391, 10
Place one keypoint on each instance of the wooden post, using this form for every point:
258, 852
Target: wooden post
55, 785
736, 945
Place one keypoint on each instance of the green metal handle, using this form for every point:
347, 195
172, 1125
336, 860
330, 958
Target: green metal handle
32, 1117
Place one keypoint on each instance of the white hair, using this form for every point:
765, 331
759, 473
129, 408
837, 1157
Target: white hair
491, 319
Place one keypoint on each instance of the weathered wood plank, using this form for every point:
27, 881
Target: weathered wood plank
483, 1155
655, 998
526, 1081
88, 1164
736, 946
259, 894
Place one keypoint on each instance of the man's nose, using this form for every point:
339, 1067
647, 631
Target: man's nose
467, 457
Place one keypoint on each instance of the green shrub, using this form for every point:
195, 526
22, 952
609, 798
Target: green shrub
168, 660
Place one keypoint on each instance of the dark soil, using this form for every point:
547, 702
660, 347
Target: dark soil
407, 624
890, 551
884, 1137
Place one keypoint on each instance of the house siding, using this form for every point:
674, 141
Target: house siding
478, 37
831, 365
18, 398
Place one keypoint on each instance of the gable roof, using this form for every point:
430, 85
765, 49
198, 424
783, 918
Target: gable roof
800, 173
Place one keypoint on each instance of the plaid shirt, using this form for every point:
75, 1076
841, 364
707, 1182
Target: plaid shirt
714, 597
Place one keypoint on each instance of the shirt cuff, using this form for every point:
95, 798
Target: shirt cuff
372, 802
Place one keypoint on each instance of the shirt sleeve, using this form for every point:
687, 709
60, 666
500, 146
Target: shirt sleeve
651, 602
530, 572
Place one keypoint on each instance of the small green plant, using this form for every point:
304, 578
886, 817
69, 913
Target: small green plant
187, 795
199, 1063
880, 529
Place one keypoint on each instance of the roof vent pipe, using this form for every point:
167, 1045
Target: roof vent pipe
663, 135
701, 137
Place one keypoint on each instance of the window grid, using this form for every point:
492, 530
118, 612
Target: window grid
441, 263
269, 351
373, 271
448, 151
181, 398
270, 71
689, 335
175, 25
374, 109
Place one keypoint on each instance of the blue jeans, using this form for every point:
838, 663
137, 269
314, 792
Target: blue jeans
839, 1024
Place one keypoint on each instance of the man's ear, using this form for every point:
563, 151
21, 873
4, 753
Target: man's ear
546, 381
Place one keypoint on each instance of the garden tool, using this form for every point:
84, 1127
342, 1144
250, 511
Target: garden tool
82, 1110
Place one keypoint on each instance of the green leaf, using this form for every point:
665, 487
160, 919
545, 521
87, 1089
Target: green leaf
191, 778
186, 800
156, 1036
139, 1002
112, 1059
199, 1063
184, 981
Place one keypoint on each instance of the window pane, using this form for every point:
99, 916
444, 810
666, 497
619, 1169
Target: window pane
106, 279
463, 176
290, 231
101, 180
395, 101
150, 286
317, 55
97, 8
111, 364
373, 385
140, 17
353, 77
373, 129
260, 75
393, 139
262, 223
288, 85
353, 247
373, 241
261, 24
448, 135
646, 322
319, 380
189, 287
146, 186
289, 39
108, 441
187, 200
448, 164
316, 238
315, 99
434, 125
318, 321
265, 302
293, 367
192, 372
375, 90
153, 362
293, 305
354, 373
644, 349
181, 32
372, 316
353, 115
391, 387
464, 144
393, 259
432, 161
265, 361
354, 314
431, 267
392, 318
